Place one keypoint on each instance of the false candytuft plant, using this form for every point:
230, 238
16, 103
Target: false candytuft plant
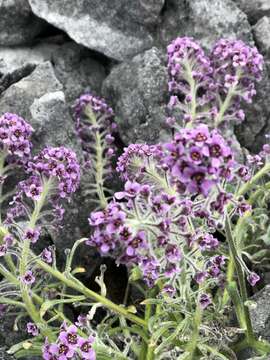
190, 224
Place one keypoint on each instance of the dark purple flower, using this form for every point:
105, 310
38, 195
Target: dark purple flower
32, 329
136, 243
207, 242
204, 301
173, 253
200, 277
3, 250
253, 278
32, 235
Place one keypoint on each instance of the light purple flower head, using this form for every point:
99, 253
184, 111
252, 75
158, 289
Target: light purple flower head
28, 278
32, 329
204, 301
86, 349
46, 256
32, 235
253, 278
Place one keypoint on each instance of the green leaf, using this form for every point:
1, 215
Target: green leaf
51, 303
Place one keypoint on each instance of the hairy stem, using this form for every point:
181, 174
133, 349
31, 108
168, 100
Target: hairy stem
77, 285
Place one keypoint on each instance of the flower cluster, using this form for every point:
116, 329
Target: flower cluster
210, 88
15, 135
58, 163
141, 227
199, 159
131, 165
55, 171
236, 65
187, 62
70, 345
92, 116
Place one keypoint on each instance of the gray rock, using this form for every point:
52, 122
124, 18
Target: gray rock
255, 9
251, 133
73, 65
4, 355
260, 315
262, 35
51, 120
40, 99
205, 20
116, 28
18, 25
19, 97
137, 90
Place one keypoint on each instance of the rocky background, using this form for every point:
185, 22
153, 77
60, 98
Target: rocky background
51, 51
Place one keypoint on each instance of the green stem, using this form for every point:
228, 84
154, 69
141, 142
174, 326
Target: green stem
192, 346
247, 186
99, 171
77, 285
25, 292
241, 279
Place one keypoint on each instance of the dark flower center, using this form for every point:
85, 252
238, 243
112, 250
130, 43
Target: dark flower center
215, 150
72, 338
198, 177
86, 346
63, 349
195, 156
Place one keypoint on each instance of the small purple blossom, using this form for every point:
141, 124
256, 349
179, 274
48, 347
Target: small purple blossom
204, 301
46, 256
253, 278
32, 329
28, 278
32, 235
86, 349
3, 250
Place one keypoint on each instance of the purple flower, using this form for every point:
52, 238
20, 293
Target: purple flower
8, 240
131, 164
199, 159
15, 133
204, 301
46, 256
137, 242
207, 242
3, 250
32, 187
32, 235
85, 346
61, 164
200, 277
150, 269
32, 329
28, 278
70, 336
169, 290
82, 321
61, 351
253, 278
173, 253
